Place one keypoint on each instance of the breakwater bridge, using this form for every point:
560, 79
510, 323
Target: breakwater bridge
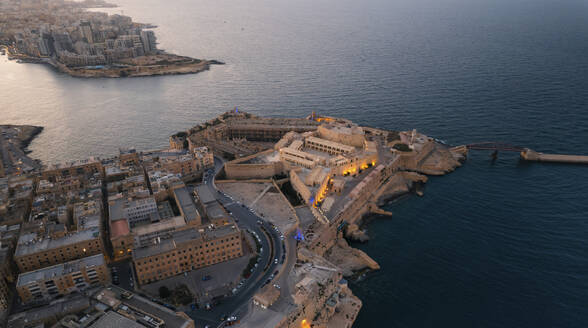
525, 153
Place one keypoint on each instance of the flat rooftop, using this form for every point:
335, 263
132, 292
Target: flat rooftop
66, 165
114, 320
170, 318
204, 194
186, 204
146, 229
215, 211
117, 207
71, 304
30, 243
219, 232
59, 270
167, 245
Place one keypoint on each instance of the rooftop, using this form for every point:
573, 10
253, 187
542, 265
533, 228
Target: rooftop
174, 222
59, 166
215, 211
186, 204
219, 232
30, 243
114, 320
117, 207
204, 194
59, 270
178, 237
119, 228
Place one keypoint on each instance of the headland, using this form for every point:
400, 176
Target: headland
281, 196
82, 43
243, 219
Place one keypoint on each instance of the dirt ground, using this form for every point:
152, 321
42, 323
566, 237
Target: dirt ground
272, 206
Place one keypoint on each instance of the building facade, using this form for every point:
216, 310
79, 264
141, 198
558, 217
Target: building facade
62, 279
187, 250
5, 295
34, 252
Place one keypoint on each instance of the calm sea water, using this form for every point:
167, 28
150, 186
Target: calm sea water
499, 244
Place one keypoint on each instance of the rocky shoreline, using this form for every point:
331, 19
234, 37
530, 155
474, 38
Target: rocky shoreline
19, 138
27, 135
161, 64
409, 179
187, 66
34, 132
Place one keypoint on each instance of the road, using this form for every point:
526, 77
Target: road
247, 220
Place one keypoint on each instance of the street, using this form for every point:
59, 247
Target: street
236, 305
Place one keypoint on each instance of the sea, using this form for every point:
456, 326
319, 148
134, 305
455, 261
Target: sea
497, 243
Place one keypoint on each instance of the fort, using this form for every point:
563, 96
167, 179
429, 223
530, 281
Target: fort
335, 173
276, 200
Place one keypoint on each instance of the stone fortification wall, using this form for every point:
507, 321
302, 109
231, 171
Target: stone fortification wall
253, 171
239, 171
355, 139
300, 187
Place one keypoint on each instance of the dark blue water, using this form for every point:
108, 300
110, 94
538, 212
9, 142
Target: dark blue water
490, 245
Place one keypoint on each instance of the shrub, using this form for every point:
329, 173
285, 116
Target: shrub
401, 147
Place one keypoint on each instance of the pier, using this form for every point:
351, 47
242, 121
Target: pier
526, 153
530, 155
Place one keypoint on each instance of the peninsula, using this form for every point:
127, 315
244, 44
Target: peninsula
82, 43
243, 219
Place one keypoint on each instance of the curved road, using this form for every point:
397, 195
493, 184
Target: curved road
237, 304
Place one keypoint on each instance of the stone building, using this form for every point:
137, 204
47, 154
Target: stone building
59, 171
62, 279
187, 250
47, 247
5, 296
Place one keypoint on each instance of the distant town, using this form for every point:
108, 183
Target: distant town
82, 43
243, 220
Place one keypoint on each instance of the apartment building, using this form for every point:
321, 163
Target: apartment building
187, 250
135, 211
83, 167
62, 279
36, 250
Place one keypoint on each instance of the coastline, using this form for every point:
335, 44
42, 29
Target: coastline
329, 245
121, 56
169, 64
28, 134
15, 154
408, 178
191, 66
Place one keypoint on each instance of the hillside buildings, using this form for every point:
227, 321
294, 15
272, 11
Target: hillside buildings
71, 35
